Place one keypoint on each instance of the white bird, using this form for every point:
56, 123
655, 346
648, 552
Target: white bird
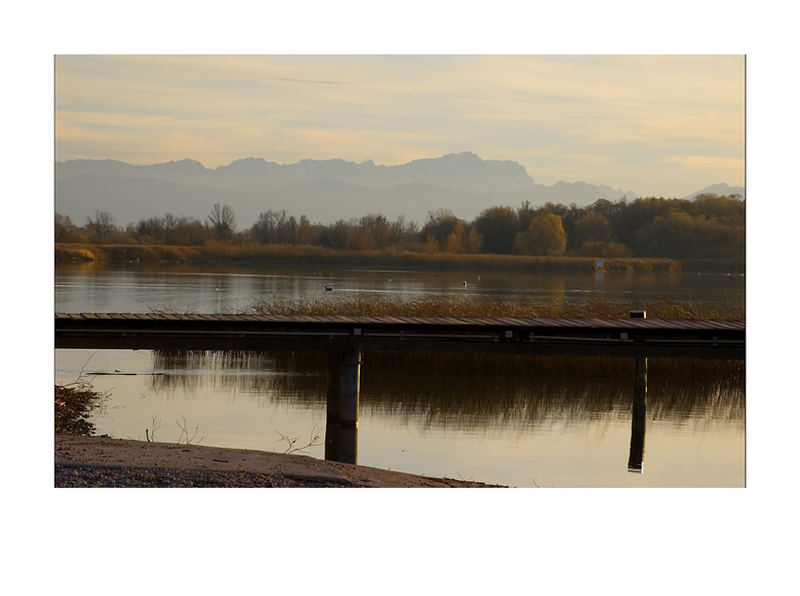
464, 283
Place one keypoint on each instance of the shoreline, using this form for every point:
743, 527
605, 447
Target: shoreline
107, 462
316, 256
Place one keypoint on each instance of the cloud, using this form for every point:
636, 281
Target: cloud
706, 162
315, 82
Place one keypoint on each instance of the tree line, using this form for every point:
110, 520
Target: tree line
707, 227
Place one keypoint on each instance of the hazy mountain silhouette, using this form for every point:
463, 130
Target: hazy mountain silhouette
720, 189
323, 190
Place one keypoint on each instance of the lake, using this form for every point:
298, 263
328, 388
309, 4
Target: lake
517, 421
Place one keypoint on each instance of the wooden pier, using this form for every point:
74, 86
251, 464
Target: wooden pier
347, 338
590, 337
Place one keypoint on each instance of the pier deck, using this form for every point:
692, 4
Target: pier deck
600, 337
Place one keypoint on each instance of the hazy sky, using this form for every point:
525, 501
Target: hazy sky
656, 125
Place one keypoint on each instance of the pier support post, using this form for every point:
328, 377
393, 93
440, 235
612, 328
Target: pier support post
638, 415
341, 426
639, 409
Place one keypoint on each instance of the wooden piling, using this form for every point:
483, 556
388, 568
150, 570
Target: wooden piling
638, 415
639, 409
341, 427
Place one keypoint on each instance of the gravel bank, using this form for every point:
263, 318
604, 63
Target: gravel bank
93, 476
107, 462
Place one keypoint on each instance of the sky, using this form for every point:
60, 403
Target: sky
654, 124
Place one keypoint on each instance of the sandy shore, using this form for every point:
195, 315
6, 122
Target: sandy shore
107, 462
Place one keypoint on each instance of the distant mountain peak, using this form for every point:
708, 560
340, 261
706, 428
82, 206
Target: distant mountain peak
462, 156
244, 160
720, 189
245, 163
185, 164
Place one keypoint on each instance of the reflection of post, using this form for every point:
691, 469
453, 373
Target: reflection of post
638, 415
341, 428
639, 411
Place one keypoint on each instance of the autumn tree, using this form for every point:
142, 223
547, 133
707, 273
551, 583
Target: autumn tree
151, 230
681, 235
525, 213
498, 226
304, 231
545, 236
375, 231
729, 210
181, 231
66, 231
403, 232
439, 226
101, 227
592, 226
457, 239
631, 226
335, 235
222, 221
278, 227
188, 232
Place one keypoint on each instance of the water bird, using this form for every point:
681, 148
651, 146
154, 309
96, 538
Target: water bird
464, 283
328, 289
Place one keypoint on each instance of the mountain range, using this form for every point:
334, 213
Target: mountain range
323, 190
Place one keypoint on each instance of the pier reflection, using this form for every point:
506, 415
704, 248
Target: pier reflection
341, 441
638, 415
476, 393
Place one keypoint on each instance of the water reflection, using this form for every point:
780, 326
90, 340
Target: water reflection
254, 373
477, 393
95, 287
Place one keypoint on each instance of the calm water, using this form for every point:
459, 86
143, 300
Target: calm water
209, 289
514, 421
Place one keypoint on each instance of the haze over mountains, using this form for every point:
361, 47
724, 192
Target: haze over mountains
323, 190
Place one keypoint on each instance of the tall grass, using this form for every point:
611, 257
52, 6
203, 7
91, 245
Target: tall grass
471, 306
121, 253
284, 254
65, 253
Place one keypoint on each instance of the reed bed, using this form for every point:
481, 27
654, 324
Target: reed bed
471, 306
122, 253
69, 253
284, 254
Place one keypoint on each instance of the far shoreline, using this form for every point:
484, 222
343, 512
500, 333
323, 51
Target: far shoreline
307, 255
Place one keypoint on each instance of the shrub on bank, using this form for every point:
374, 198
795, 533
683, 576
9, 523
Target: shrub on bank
73, 405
